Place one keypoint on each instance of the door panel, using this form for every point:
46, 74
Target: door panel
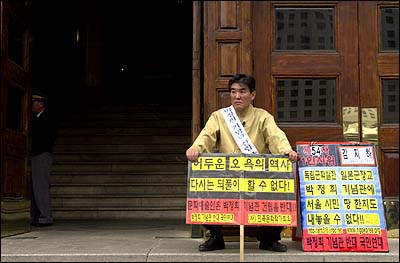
15, 84
227, 49
373, 78
305, 65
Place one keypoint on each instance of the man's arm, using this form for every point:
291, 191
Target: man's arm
292, 155
192, 153
206, 140
277, 140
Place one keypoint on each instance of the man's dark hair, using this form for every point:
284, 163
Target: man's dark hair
243, 79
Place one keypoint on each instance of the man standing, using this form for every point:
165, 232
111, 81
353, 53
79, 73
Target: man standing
43, 138
258, 133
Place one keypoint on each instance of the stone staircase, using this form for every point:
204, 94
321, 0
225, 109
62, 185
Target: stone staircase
122, 162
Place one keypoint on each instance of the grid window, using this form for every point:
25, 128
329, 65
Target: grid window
16, 41
14, 105
389, 29
303, 100
304, 28
390, 101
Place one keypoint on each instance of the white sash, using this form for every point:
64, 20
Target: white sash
237, 130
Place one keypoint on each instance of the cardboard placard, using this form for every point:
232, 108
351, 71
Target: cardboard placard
242, 189
340, 197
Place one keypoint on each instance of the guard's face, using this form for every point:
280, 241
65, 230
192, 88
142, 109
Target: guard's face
241, 97
37, 106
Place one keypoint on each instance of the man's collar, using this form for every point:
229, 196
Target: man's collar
40, 113
245, 112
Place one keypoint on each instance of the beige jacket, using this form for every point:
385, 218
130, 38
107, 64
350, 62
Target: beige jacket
259, 125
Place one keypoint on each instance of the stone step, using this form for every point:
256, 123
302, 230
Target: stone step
124, 139
129, 178
120, 157
99, 213
144, 114
124, 131
120, 148
136, 109
90, 200
126, 123
119, 189
122, 162
119, 167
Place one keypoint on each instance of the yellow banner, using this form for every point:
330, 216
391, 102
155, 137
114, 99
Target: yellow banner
209, 164
356, 175
241, 185
358, 189
364, 230
319, 219
321, 189
242, 164
319, 175
360, 203
362, 219
246, 164
214, 185
269, 219
267, 185
279, 165
212, 217
322, 204
325, 230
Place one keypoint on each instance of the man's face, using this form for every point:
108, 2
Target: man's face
37, 106
241, 97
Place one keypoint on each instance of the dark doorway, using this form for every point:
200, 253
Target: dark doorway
147, 51
56, 58
120, 76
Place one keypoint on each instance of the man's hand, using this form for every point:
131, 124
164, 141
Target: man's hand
292, 155
192, 154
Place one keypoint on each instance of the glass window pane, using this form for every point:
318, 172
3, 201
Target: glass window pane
301, 100
15, 41
389, 29
304, 29
14, 109
390, 103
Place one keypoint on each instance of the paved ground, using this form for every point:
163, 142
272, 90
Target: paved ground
153, 241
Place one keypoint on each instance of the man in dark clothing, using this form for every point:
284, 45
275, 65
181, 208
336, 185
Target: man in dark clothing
43, 138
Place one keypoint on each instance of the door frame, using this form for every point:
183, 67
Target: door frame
14, 141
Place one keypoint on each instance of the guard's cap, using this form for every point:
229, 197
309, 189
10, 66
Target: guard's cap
40, 96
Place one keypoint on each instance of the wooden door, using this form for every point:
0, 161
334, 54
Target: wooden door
307, 66
327, 70
227, 49
379, 94
15, 84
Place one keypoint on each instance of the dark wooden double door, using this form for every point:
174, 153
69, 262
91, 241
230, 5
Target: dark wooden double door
338, 85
